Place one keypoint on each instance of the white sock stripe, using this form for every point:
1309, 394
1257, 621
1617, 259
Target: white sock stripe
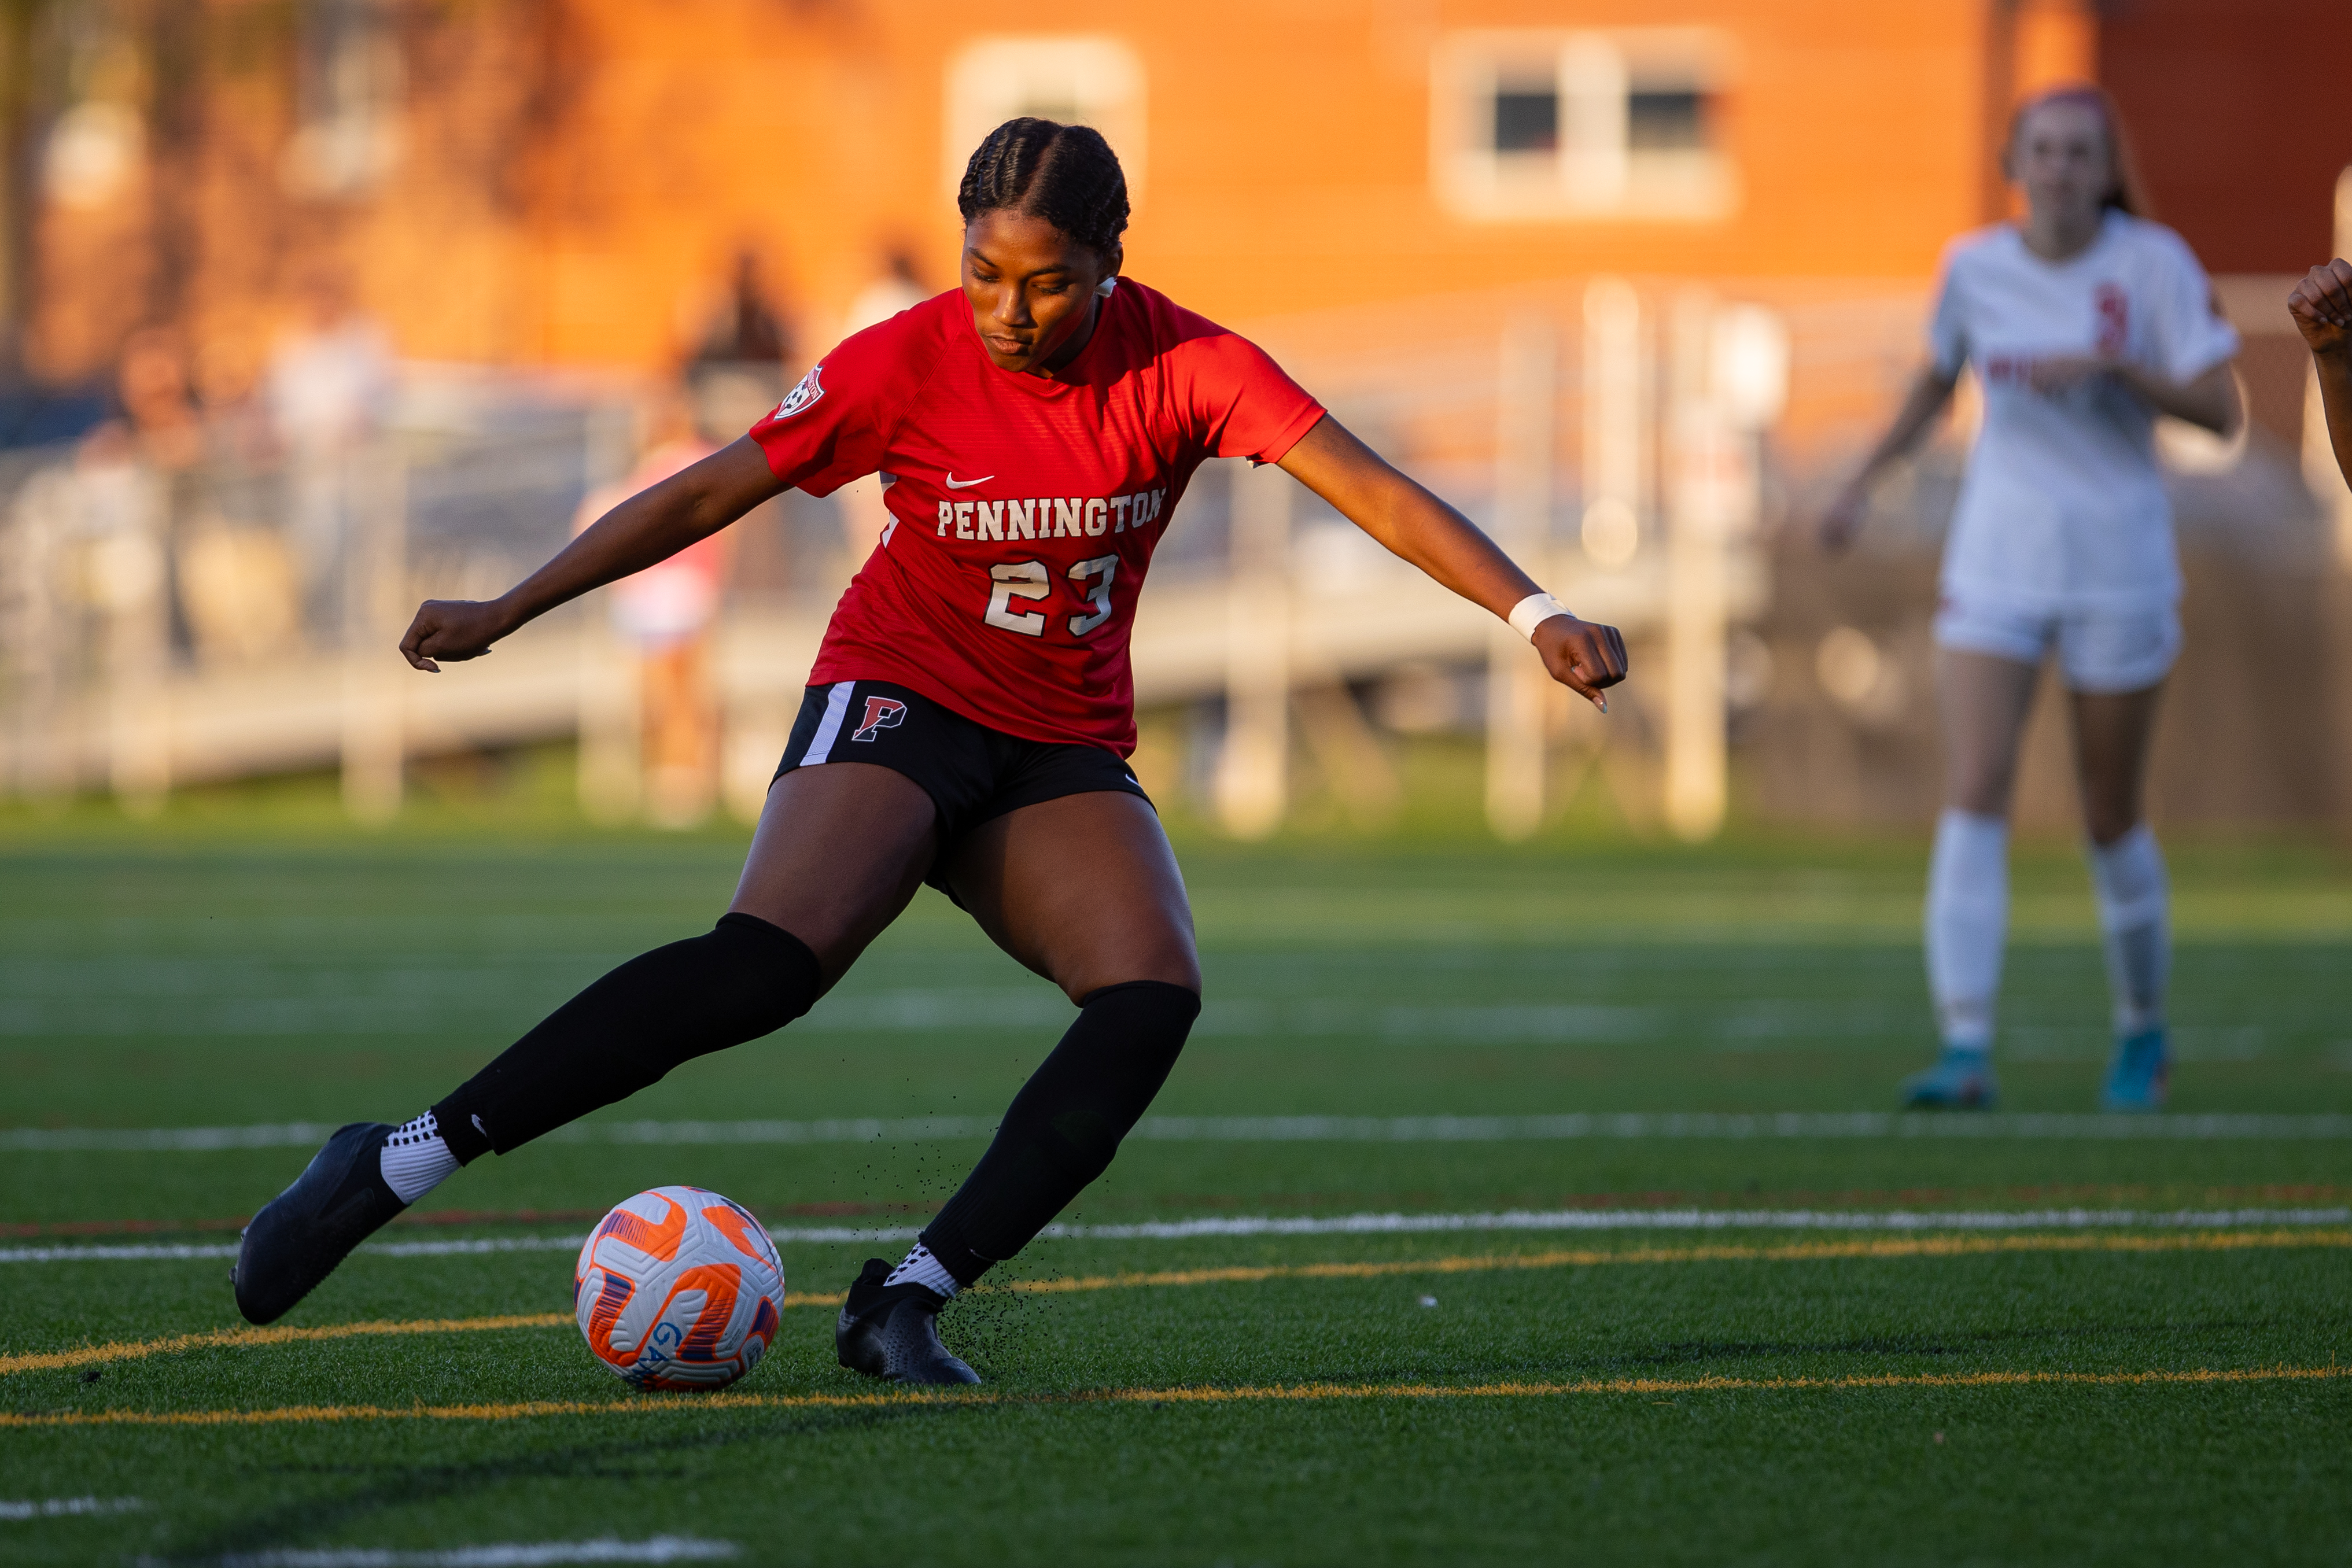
2134, 914
828, 728
414, 1132
1967, 924
416, 1159
920, 1267
2135, 858
2134, 902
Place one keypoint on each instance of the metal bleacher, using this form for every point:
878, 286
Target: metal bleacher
116, 679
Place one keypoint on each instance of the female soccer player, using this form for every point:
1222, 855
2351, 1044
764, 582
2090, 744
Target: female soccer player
2083, 323
2322, 307
964, 724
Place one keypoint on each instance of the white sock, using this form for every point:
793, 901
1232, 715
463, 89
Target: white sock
416, 1159
1968, 925
2135, 916
919, 1268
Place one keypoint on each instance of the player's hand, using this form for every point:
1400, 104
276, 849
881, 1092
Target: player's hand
1582, 657
2062, 373
453, 629
2322, 307
1845, 516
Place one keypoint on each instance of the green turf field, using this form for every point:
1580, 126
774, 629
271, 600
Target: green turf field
1990, 1380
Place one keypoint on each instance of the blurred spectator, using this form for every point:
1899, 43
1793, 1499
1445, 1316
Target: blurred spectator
227, 379
666, 613
329, 389
152, 379
118, 504
120, 513
748, 330
239, 587
123, 488
859, 502
738, 369
897, 287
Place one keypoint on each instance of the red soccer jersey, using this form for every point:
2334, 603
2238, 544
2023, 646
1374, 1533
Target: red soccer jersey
1022, 511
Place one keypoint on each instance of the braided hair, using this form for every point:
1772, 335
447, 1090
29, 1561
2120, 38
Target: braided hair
1065, 174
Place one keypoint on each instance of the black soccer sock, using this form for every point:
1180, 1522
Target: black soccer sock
740, 980
1065, 1124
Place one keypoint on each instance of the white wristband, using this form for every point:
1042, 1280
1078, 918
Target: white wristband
1532, 611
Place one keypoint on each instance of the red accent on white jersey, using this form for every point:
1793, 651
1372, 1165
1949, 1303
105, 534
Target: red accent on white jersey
1010, 598
2065, 508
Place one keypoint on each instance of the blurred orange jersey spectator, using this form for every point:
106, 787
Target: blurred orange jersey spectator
666, 613
675, 599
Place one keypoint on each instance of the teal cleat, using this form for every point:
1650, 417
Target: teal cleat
2140, 1072
1961, 1080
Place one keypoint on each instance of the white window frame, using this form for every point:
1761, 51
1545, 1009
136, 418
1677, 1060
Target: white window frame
1594, 173
352, 84
1101, 79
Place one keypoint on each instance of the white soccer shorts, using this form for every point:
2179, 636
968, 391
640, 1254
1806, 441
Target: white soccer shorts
2098, 650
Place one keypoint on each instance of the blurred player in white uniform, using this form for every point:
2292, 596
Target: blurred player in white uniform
2083, 323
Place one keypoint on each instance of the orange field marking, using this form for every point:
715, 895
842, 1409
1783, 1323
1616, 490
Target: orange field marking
1802, 1251
655, 1405
134, 1350
1797, 1253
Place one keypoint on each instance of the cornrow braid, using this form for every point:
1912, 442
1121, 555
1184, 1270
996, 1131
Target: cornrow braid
1065, 174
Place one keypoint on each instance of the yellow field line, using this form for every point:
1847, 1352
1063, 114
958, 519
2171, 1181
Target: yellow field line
674, 1403
1802, 1251
134, 1350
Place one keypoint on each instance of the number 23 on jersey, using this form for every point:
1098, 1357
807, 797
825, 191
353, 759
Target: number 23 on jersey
1021, 592
1019, 582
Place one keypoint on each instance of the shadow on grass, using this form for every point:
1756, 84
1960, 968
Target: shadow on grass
393, 1485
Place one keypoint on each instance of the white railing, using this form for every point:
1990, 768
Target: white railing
153, 634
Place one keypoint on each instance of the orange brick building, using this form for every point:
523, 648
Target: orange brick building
568, 181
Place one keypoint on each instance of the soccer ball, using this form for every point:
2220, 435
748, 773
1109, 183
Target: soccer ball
678, 1288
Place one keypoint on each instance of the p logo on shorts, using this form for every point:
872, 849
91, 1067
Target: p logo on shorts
881, 714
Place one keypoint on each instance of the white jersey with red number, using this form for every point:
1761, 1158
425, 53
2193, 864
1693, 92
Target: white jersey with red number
1024, 510
2063, 509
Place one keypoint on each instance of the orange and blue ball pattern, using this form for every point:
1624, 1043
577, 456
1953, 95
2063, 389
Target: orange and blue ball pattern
678, 1288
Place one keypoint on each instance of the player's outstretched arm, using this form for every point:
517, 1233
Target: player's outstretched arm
2322, 307
1415, 525
2208, 399
649, 527
1929, 392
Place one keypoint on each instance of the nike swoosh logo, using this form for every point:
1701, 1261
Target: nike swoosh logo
956, 484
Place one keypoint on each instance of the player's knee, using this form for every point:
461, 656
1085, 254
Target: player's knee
1086, 1100
1982, 789
1167, 963
1165, 1002
1149, 1020
758, 973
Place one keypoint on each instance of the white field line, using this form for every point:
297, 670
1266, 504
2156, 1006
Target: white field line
513, 1555
64, 1506
1279, 1130
1586, 1219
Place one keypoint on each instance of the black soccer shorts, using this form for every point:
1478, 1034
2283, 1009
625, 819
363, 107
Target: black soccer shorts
973, 774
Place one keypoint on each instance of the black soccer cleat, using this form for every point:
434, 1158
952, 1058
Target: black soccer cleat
892, 1332
299, 1235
